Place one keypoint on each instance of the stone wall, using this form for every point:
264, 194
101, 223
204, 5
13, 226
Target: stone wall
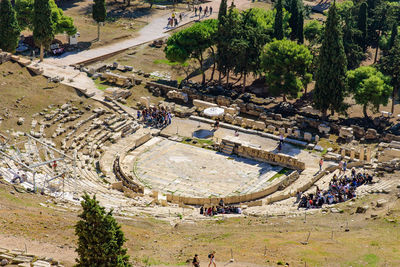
258, 154
253, 198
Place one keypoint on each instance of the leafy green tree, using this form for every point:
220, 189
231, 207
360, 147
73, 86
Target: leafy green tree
9, 29
62, 23
99, 14
278, 24
331, 72
389, 64
43, 27
370, 88
362, 24
192, 42
100, 238
286, 65
256, 29
313, 32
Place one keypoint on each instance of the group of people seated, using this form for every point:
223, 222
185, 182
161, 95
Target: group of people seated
156, 117
340, 189
220, 209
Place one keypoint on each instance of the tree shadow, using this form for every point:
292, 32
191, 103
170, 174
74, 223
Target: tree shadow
65, 5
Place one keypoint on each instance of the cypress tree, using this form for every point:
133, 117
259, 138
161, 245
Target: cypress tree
294, 19
100, 238
330, 75
393, 36
362, 24
300, 30
99, 14
43, 28
278, 24
9, 29
223, 7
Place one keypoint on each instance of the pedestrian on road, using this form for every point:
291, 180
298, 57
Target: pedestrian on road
211, 256
200, 9
176, 22
321, 161
210, 10
195, 11
180, 17
205, 11
138, 115
196, 261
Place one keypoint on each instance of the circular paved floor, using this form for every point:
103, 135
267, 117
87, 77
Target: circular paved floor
186, 170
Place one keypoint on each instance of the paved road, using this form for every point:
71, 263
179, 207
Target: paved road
154, 30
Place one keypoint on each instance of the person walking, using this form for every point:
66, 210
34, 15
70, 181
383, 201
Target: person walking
210, 10
321, 161
211, 256
180, 17
200, 9
195, 11
205, 11
196, 261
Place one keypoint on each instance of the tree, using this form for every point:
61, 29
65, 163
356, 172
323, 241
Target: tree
331, 72
192, 42
278, 24
9, 29
294, 18
100, 238
393, 36
99, 14
369, 87
389, 64
362, 24
313, 32
43, 27
300, 30
286, 65
62, 23
348, 15
223, 8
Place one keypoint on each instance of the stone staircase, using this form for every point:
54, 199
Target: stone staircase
227, 147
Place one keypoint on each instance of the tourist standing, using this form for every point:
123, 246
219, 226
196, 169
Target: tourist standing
211, 256
196, 261
321, 161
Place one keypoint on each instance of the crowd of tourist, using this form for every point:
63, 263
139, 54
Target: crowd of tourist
207, 11
340, 189
220, 209
174, 20
156, 117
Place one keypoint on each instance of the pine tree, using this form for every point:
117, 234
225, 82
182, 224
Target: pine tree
362, 24
223, 7
100, 238
294, 18
330, 76
43, 27
278, 25
99, 14
9, 29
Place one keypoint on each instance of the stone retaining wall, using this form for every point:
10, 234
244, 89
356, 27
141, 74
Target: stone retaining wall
253, 198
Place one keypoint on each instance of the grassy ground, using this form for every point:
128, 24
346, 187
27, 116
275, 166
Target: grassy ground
264, 241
